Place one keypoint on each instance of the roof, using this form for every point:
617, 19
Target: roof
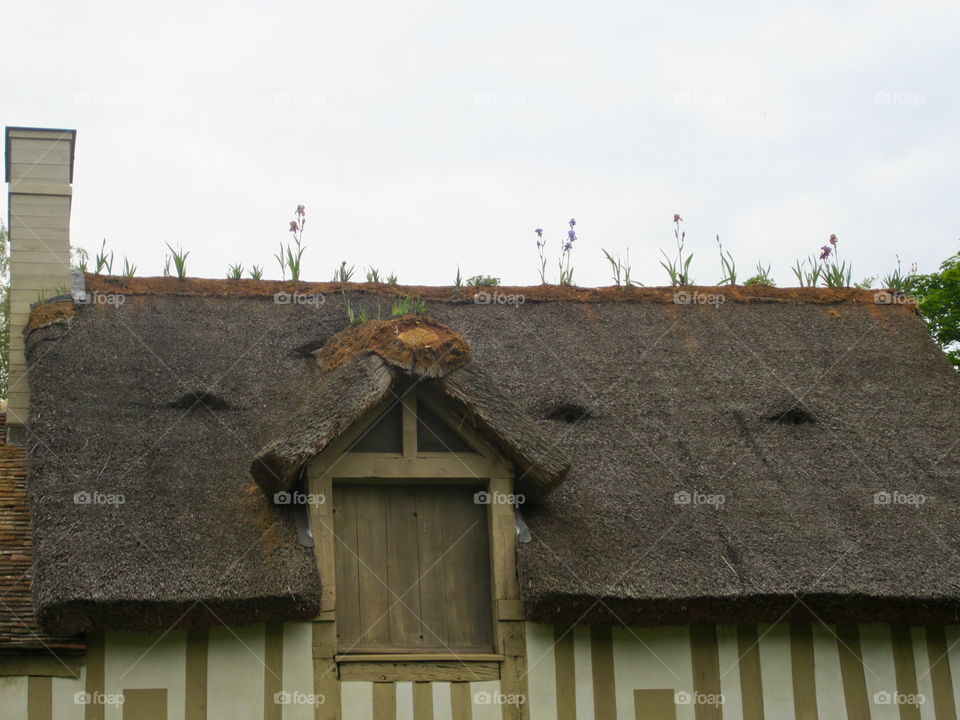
18, 625
795, 408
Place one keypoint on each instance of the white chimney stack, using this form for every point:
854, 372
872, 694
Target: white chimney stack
39, 170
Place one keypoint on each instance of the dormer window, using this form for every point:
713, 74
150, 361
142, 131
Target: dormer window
412, 537
415, 451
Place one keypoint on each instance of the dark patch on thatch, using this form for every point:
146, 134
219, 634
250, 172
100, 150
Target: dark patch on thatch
794, 415
200, 399
681, 398
568, 412
307, 349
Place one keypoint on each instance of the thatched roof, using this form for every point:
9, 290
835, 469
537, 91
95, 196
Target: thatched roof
363, 366
795, 406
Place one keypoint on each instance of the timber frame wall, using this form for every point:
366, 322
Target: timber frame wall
487, 467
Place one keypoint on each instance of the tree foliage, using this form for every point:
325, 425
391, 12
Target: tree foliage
938, 299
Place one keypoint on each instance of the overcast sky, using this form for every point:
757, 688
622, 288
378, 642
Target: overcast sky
425, 135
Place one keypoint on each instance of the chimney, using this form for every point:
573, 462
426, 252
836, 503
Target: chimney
39, 170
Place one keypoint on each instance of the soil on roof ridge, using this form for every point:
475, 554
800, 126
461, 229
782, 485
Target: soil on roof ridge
284, 290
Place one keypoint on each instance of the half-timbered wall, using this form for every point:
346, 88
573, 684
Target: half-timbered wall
774, 672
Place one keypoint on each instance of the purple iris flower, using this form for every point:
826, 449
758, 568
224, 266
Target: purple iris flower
572, 222
539, 232
571, 235
825, 252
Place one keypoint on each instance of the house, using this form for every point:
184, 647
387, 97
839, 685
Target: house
581, 503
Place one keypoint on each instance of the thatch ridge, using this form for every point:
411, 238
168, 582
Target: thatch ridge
287, 291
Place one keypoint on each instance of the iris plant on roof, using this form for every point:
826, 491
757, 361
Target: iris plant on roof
566, 272
289, 257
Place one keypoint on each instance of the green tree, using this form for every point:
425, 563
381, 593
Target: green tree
938, 297
4, 309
